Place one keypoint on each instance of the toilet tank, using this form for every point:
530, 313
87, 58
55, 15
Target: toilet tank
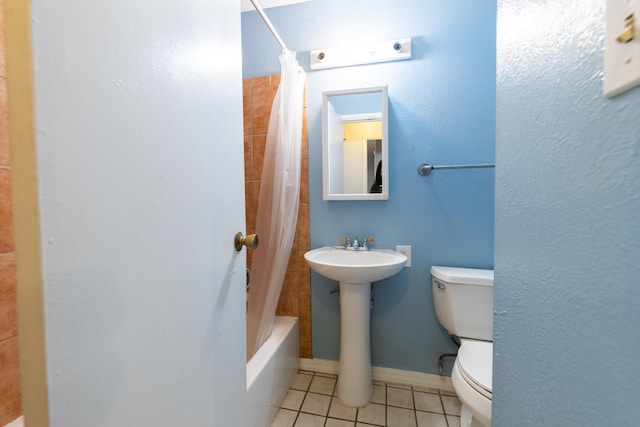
463, 299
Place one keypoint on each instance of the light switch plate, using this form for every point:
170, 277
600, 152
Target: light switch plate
621, 60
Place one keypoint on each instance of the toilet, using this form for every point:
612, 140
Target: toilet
463, 299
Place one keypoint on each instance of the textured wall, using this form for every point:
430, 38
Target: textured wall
10, 405
567, 251
442, 111
295, 297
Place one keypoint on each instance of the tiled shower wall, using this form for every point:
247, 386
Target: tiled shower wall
10, 397
295, 299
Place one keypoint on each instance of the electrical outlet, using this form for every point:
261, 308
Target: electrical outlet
406, 251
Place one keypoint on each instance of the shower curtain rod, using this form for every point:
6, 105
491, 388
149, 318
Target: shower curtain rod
269, 24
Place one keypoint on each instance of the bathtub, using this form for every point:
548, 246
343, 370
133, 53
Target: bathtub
18, 422
271, 371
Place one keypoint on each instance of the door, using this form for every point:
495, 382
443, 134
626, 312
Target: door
355, 171
138, 117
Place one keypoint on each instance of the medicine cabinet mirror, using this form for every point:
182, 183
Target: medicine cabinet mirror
355, 153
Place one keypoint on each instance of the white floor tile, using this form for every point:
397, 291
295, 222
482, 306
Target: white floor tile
301, 382
427, 419
400, 417
293, 400
428, 402
453, 421
397, 385
317, 404
399, 397
379, 394
426, 389
311, 402
332, 422
322, 385
451, 405
284, 418
339, 410
308, 420
372, 414
324, 374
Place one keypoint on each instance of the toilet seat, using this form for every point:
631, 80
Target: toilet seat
471, 378
475, 361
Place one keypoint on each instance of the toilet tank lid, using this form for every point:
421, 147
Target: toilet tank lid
468, 276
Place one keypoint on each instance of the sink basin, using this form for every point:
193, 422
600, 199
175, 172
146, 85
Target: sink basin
352, 266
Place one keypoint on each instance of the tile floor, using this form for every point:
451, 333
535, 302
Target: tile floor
311, 402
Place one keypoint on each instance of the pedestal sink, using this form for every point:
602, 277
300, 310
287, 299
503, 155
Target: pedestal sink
355, 270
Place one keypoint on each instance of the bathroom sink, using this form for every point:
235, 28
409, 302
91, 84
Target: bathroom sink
355, 270
350, 266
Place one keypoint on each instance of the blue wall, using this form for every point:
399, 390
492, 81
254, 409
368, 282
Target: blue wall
442, 111
567, 253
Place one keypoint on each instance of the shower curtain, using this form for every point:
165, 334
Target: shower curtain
278, 202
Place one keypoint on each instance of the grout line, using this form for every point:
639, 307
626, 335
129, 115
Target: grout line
4, 340
355, 421
415, 407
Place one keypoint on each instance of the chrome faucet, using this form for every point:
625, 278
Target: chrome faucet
365, 242
355, 243
347, 242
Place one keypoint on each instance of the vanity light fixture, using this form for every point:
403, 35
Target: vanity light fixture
389, 50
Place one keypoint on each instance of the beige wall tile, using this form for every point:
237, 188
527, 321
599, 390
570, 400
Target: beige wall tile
250, 204
290, 285
261, 101
8, 309
3, 68
246, 113
256, 193
305, 139
304, 180
257, 82
292, 266
302, 230
304, 279
10, 395
4, 123
304, 313
6, 216
287, 305
305, 349
248, 158
258, 143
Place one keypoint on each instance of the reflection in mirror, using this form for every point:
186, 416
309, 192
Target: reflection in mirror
355, 144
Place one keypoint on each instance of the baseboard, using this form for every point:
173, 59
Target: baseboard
390, 375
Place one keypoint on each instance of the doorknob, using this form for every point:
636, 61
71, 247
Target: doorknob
251, 241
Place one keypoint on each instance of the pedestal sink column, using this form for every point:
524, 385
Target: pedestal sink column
355, 382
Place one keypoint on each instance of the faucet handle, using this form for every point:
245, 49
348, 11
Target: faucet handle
366, 241
346, 240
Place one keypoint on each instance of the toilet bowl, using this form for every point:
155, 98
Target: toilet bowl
463, 299
471, 378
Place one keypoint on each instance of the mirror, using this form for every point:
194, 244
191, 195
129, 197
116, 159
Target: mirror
355, 144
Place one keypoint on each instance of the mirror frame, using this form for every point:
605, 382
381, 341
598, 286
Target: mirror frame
326, 170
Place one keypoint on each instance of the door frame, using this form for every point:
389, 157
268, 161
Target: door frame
24, 190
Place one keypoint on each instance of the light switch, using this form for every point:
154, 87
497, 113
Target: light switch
622, 47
